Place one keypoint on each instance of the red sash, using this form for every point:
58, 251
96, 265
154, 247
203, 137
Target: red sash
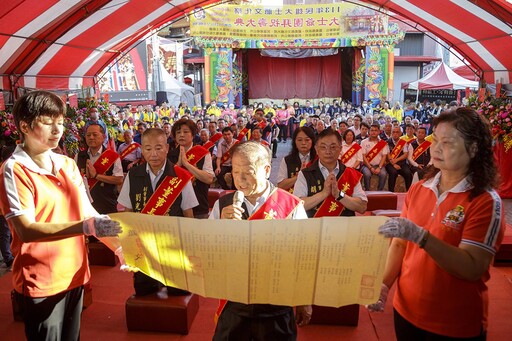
242, 133
227, 155
421, 149
350, 152
196, 154
128, 150
211, 142
166, 193
102, 165
375, 150
290, 190
398, 148
346, 183
279, 205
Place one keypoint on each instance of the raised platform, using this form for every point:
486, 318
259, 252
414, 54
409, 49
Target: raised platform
161, 313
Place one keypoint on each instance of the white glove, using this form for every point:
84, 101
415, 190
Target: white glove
378, 307
403, 228
101, 226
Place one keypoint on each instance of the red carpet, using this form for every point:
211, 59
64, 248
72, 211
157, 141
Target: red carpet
105, 318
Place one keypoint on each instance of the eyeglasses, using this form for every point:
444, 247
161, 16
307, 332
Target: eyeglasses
331, 148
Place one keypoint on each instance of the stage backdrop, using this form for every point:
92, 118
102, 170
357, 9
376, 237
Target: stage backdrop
279, 78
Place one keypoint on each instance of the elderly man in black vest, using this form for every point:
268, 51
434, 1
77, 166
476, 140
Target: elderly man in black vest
158, 177
251, 162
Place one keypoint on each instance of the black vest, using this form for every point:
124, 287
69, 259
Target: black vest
315, 181
293, 165
424, 158
104, 195
200, 188
391, 145
141, 190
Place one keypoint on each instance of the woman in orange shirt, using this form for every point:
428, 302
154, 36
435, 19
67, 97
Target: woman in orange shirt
451, 227
44, 201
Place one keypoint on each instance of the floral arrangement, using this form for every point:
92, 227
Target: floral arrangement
498, 112
8, 133
74, 126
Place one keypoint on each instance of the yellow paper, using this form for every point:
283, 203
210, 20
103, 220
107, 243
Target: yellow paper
328, 261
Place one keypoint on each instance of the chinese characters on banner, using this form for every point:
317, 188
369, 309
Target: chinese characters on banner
287, 22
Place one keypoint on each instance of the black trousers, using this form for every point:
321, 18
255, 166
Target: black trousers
234, 327
55, 317
220, 178
405, 171
406, 331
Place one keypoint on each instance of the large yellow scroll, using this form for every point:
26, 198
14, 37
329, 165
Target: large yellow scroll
333, 261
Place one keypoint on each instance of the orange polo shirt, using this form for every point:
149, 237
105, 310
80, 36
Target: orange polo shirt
45, 268
429, 297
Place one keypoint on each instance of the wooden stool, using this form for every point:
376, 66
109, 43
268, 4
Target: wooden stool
381, 200
161, 313
100, 254
343, 316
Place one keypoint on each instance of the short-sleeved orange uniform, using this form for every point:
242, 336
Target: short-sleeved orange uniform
429, 297
44, 268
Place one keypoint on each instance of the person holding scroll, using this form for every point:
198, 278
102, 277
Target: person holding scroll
195, 159
157, 187
257, 198
451, 226
327, 186
43, 198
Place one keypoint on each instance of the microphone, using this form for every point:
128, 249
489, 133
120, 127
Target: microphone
238, 198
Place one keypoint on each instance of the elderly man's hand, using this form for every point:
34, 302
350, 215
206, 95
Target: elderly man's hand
303, 314
232, 212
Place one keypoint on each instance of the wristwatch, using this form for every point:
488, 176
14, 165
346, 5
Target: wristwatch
341, 196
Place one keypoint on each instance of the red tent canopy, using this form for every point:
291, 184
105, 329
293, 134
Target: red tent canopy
442, 77
64, 44
466, 72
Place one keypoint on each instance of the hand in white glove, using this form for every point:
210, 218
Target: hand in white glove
403, 228
378, 307
101, 226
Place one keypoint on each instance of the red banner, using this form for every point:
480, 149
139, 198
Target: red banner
129, 150
102, 165
350, 152
196, 154
346, 183
421, 149
211, 142
167, 192
375, 150
398, 148
2, 101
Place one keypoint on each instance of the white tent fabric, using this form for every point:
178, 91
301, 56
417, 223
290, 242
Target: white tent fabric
176, 92
442, 77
